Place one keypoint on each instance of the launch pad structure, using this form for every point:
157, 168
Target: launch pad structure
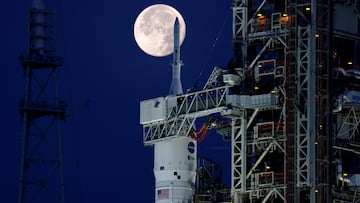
289, 103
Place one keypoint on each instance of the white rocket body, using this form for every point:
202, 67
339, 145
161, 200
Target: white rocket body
175, 170
175, 160
176, 87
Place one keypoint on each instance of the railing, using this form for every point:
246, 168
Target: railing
43, 108
174, 116
44, 60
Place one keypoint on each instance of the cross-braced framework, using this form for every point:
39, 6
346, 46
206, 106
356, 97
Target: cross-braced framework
258, 158
282, 51
253, 31
240, 26
301, 101
182, 111
180, 119
42, 111
239, 156
305, 110
347, 144
349, 125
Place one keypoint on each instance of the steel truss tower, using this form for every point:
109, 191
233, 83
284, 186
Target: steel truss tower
42, 111
276, 100
254, 147
305, 28
294, 24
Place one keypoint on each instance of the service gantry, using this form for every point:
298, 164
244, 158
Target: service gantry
289, 102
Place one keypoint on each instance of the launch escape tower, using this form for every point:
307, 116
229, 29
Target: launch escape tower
42, 111
289, 103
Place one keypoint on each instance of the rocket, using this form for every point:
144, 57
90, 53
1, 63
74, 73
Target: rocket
176, 87
175, 160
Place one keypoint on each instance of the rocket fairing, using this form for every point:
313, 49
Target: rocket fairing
176, 87
175, 160
176, 55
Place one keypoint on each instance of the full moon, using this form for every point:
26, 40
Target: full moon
154, 29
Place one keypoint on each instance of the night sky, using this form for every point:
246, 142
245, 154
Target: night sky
104, 77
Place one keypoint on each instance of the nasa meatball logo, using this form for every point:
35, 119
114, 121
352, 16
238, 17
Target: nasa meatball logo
191, 147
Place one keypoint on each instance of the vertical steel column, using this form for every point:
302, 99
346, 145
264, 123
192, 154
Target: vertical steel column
329, 114
24, 136
238, 157
311, 111
59, 136
240, 25
290, 100
306, 112
238, 179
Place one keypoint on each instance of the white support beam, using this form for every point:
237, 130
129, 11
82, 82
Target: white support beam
238, 149
349, 125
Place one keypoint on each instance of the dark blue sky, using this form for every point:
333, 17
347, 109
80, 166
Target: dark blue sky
104, 156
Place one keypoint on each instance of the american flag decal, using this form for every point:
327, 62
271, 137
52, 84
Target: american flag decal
163, 194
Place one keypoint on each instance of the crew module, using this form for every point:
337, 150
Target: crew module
289, 103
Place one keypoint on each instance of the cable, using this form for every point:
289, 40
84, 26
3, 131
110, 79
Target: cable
73, 120
202, 132
211, 51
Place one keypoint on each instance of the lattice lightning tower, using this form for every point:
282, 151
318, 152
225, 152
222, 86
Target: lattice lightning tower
42, 111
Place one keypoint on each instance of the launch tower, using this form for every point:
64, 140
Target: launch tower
42, 111
289, 103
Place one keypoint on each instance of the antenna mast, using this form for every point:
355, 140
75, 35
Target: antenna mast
42, 112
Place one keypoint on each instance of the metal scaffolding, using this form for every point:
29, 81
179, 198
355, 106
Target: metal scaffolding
277, 101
